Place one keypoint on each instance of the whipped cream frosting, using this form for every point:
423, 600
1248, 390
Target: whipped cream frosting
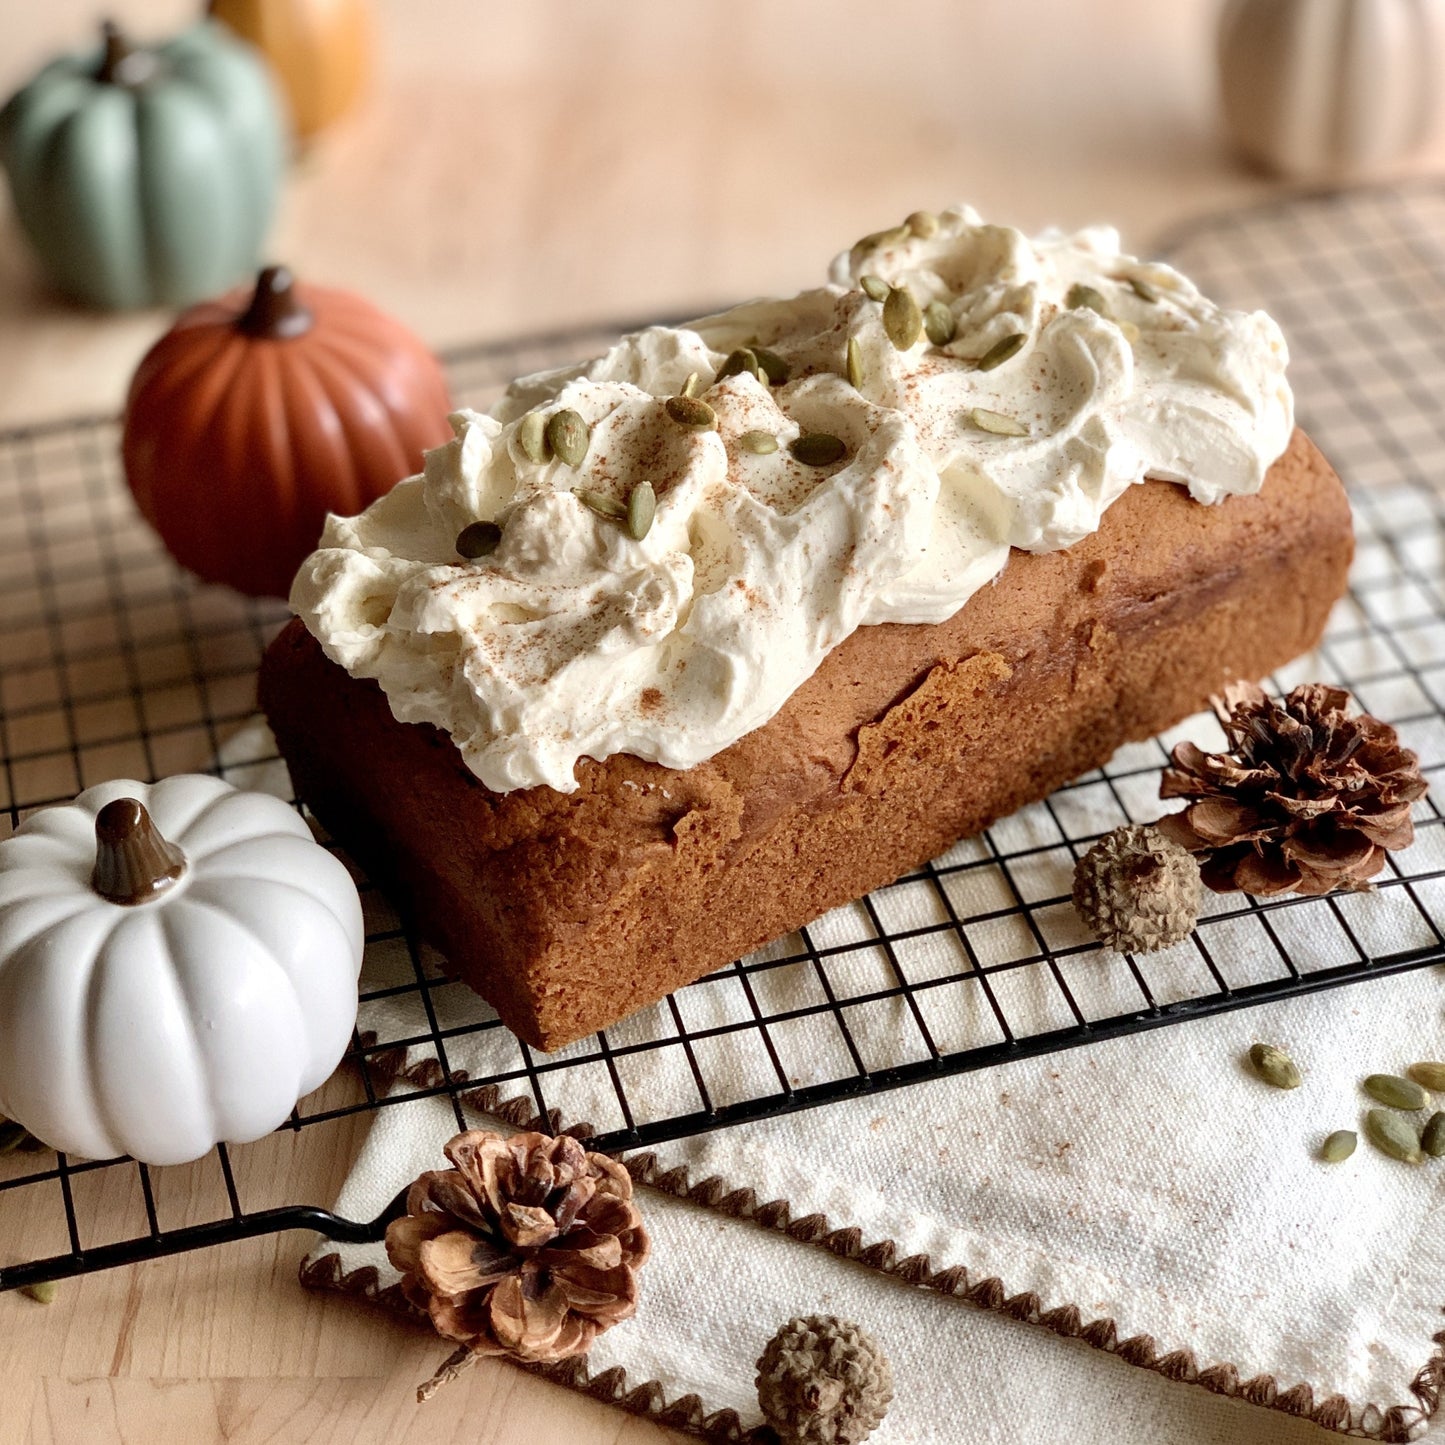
572, 640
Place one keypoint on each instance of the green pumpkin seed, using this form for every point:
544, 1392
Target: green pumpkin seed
876, 240
689, 387
1131, 332
1142, 289
641, 509
532, 437
1081, 296
1432, 1137
1340, 1145
1274, 1066
480, 539
1393, 1135
602, 504
855, 364
1428, 1076
1001, 351
875, 288
902, 320
939, 324
691, 412
1398, 1093
774, 367
996, 422
760, 443
13, 1136
42, 1293
818, 449
922, 224
568, 434
738, 362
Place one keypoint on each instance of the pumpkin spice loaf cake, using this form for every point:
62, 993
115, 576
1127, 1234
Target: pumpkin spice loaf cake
682, 647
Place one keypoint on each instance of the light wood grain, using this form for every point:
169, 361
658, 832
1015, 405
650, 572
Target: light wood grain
521, 166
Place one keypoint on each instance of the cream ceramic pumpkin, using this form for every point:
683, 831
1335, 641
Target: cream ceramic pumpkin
1330, 88
178, 966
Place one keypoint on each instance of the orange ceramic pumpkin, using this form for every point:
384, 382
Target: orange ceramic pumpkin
254, 416
319, 49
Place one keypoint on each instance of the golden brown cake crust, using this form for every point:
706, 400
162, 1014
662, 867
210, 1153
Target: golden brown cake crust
569, 910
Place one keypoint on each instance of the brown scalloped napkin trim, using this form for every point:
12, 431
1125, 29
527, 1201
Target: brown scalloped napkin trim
1390, 1423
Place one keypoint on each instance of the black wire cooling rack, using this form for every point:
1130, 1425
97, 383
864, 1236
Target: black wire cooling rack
112, 663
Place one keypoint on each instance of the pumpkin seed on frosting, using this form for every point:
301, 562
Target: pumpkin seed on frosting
691, 412
532, 437
602, 504
1142, 289
875, 288
818, 449
641, 508
760, 443
1081, 296
855, 364
922, 224
996, 422
774, 367
739, 361
1001, 351
876, 240
902, 320
939, 323
480, 539
568, 435
689, 387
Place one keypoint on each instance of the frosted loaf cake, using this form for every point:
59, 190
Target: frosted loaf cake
680, 647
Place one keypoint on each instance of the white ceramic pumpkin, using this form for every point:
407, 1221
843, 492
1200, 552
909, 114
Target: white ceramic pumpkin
1329, 88
178, 966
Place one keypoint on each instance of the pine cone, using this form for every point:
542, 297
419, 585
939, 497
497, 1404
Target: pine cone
529, 1247
823, 1381
1306, 800
1136, 890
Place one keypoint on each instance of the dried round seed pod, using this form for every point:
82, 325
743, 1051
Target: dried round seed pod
1136, 891
1274, 1066
823, 1381
1392, 1090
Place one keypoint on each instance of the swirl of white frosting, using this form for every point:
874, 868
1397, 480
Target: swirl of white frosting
572, 640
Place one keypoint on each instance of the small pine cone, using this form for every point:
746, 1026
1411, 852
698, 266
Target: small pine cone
823, 1381
1306, 799
1136, 890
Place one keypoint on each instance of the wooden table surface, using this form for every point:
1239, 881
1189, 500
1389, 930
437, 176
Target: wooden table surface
520, 166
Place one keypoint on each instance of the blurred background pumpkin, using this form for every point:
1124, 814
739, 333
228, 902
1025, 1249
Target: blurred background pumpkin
257, 414
146, 177
321, 51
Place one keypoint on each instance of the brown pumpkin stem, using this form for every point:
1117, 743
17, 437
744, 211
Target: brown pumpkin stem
133, 862
121, 63
275, 311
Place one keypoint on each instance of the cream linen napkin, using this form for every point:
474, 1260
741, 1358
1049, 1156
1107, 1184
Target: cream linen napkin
1148, 1186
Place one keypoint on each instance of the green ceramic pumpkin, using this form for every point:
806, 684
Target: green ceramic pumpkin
147, 177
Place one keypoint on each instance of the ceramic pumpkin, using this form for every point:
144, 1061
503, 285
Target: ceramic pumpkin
147, 177
178, 966
319, 49
1330, 88
256, 415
